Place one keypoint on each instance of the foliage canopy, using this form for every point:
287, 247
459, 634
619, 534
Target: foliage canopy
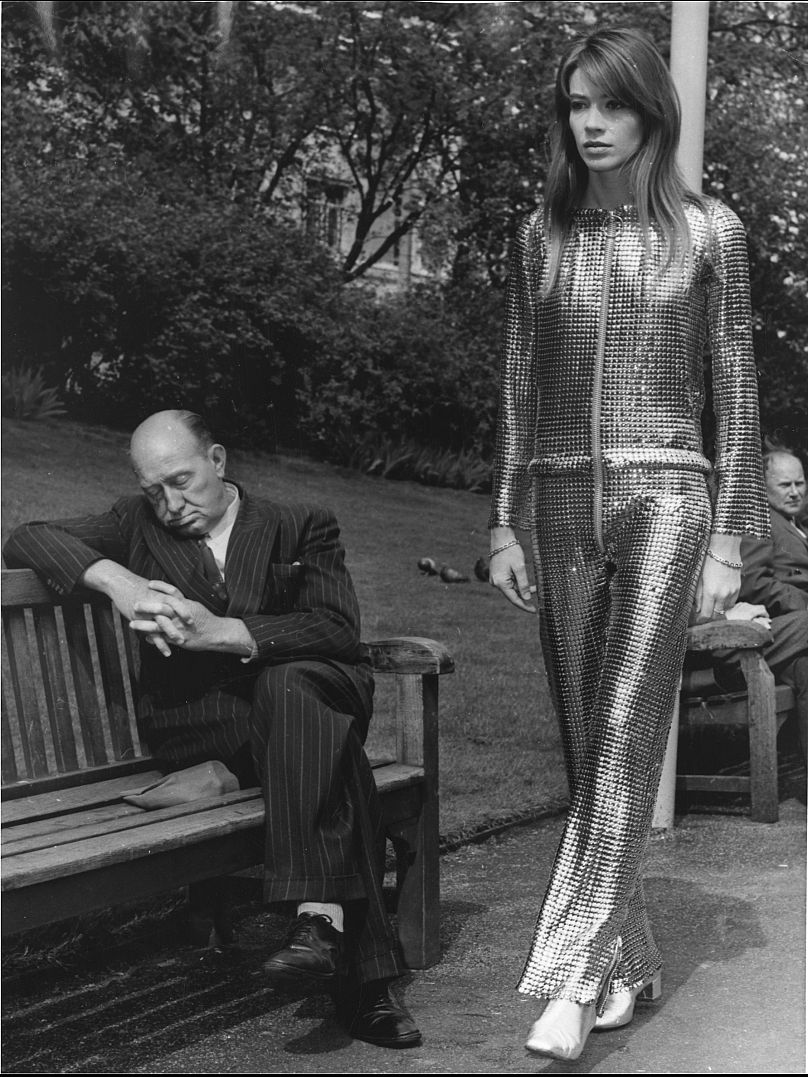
153, 178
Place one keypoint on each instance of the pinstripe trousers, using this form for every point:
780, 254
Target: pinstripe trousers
324, 834
324, 830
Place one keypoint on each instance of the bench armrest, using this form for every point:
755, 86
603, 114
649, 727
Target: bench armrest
409, 654
735, 635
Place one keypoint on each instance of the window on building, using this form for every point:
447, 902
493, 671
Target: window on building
325, 209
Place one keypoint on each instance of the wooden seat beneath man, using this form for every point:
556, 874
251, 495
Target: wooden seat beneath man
71, 750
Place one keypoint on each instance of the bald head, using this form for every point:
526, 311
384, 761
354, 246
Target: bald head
785, 482
169, 426
181, 471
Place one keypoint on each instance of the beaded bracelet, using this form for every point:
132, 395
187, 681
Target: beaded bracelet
724, 561
505, 546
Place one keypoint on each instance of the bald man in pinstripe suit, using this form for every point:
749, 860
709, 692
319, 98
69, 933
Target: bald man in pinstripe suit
251, 655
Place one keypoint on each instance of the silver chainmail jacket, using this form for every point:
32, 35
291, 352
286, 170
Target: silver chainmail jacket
600, 456
650, 382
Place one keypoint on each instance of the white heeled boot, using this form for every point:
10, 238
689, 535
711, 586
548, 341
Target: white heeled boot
562, 1029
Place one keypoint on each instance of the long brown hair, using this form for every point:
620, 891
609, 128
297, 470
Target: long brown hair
625, 64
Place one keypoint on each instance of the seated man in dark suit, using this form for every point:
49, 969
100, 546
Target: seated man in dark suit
775, 576
775, 570
251, 655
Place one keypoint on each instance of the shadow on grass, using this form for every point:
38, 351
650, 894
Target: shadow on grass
130, 1016
114, 1009
117, 1009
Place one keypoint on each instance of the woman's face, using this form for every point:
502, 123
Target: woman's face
606, 132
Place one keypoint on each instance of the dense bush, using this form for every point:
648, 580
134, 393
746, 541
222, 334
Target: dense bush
136, 293
134, 296
418, 366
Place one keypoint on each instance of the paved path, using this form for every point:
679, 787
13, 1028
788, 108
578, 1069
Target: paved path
727, 898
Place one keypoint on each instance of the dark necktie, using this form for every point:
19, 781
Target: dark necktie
210, 570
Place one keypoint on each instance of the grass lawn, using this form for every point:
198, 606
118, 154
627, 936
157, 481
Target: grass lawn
500, 751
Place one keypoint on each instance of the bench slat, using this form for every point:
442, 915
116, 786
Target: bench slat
118, 823
9, 760
55, 688
65, 896
713, 783
53, 824
131, 652
112, 679
21, 673
75, 798
145, 841
29, 787
88, 708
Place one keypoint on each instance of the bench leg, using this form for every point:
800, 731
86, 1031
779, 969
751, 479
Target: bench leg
416, 840
762, 737
417, 859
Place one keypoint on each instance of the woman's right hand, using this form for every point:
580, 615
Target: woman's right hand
508, 573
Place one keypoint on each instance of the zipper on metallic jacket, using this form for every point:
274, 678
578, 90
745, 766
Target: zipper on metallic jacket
597, 388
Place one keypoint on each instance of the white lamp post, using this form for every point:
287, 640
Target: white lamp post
689, 26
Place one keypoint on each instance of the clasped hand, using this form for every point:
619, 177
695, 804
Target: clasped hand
170, 619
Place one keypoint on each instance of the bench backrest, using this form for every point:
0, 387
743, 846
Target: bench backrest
68, 668
69, 673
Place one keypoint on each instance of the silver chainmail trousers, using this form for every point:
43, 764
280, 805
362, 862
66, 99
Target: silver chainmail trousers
600, 455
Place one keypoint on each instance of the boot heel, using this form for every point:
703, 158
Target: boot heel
652, 990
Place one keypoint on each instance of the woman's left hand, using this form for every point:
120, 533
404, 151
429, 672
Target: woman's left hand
717, 590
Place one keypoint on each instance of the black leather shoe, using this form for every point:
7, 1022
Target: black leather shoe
311, 950
370, 1013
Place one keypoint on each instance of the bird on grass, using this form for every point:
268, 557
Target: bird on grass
449, 575
481, 569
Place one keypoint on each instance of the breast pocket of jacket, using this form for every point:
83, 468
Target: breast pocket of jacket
284, 585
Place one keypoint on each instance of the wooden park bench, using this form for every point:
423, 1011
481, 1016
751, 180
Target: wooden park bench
761, 708
71, 845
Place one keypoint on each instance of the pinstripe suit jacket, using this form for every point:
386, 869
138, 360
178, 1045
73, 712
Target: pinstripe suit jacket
195, 702
775, 570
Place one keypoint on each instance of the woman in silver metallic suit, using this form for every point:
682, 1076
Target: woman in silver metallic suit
616, 286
